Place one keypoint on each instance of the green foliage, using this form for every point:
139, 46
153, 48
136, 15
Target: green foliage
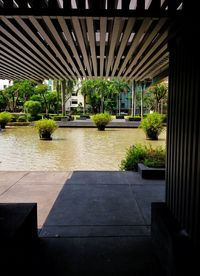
3, 100
155, 158
158, 93
22, 118
32, 107
151, 157
102, 94
5, 117
46, 126
101, 120
152, 125
134, 155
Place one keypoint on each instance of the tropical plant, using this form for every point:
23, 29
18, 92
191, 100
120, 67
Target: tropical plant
66, 92
32, 107
45, 128
118, 86
101, 120
5, 117
18, 93
146, 154
152, 125
159, 93
3, 100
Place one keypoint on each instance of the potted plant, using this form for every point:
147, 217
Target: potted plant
101, 120
5, 117
152, 125
45, 128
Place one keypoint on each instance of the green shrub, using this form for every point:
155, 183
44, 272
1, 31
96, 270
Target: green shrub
151, 157
22, 118
32, 107
101, 120
46, 127
5, 117
155, 157
152, 125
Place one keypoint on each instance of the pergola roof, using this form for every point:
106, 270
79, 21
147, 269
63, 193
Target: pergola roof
73, 39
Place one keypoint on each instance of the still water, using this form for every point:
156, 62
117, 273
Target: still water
71, 148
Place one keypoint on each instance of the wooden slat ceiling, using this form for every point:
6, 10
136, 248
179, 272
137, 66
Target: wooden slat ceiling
71, 39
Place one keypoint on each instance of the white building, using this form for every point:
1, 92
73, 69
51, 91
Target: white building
73, 101
5, 83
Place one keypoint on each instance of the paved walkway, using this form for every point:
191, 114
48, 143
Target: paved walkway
40, 187
91, 223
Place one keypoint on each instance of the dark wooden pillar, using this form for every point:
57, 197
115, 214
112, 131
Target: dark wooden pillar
183, 161
176, 224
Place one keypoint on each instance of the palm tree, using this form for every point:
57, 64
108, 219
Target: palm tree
159, 93
117, 86
86, 89
66, 92
102, 89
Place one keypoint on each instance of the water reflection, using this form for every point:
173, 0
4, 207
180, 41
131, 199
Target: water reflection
70, 149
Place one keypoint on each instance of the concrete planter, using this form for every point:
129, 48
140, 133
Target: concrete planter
151, 173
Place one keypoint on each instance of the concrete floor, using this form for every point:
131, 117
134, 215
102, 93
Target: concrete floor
91, 223
40, 187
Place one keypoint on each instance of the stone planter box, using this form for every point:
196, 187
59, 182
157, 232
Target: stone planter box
119, 116
151, 173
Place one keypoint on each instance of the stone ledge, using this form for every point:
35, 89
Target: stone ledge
151, 173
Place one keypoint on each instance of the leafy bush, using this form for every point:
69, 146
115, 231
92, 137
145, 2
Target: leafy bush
5, 117
151, 157
46, 127
22, 118
152, 125
32, 107
101, 120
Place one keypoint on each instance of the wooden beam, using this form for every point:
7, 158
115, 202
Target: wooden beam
151, 36
125, 4
53, 4
159, 53
11, 75
14, 60
91, 36
50, 43
25, 49
140, 5
115, 35
23, 56
103, 27
79, 36
123, 44
14, 69
71, 43
155, 67
52, 59
135, 43
112, 4
30, 44
151, 51
59, 41
8, 4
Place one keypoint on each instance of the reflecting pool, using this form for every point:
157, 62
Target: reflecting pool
71, 148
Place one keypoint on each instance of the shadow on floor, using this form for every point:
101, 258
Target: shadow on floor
98, 225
